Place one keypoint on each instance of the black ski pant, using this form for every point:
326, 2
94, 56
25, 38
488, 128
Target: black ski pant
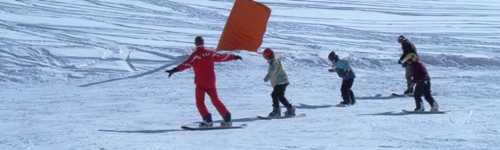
408, 75
423, 88
278, 96
347, 93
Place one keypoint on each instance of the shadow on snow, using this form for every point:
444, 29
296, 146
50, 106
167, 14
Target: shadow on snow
246, 119
142, 131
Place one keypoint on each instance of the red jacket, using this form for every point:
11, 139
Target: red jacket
419, 72
202, 61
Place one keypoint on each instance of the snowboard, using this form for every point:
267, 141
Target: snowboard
342, 105
400, 95
281, 117
405, 95
196, 127
423, 112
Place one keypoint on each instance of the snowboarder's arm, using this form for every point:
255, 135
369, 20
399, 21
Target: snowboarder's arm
270, 71
400, 61
222, 57
183, 66
408, 48
188, 63
171, 71
332, 69
267, 77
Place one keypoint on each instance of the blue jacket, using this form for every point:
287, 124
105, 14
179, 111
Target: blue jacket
344, 70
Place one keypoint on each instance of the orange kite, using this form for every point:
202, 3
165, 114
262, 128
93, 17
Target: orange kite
245, 26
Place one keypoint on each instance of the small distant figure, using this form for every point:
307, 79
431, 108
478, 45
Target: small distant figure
420, 77
345, 72
279, 80
408, 48
202, 61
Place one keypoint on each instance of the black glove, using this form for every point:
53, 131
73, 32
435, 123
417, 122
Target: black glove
331, 70
171, 71
238, 57
399, 62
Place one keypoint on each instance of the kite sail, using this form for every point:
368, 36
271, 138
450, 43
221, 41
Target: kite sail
245, 27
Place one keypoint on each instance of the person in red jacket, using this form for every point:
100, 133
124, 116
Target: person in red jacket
202, 61
420, 77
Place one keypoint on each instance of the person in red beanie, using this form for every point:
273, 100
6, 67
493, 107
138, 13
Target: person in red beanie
279, 80
202, 61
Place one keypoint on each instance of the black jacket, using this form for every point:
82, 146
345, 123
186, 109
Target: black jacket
407, 48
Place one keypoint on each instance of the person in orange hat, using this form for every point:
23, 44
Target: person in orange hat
279, 80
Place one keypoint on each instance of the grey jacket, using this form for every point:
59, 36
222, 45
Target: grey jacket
276, 73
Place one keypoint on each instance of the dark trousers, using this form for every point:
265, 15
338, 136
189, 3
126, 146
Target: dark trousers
278, 96
408, 75
423, 88
347, 93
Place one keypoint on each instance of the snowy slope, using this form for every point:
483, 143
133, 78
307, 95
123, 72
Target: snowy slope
87, 74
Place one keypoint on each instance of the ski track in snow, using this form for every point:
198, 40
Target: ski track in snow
88, 74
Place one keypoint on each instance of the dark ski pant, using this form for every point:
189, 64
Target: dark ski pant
202, 108
409, 80
347, 93
278, 96
423, 88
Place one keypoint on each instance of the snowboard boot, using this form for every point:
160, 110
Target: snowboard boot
352, 98
342, 104
419, 109
207, 121
276, 113
419, 106
290, 111
353, 101
435, 107
227, 121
